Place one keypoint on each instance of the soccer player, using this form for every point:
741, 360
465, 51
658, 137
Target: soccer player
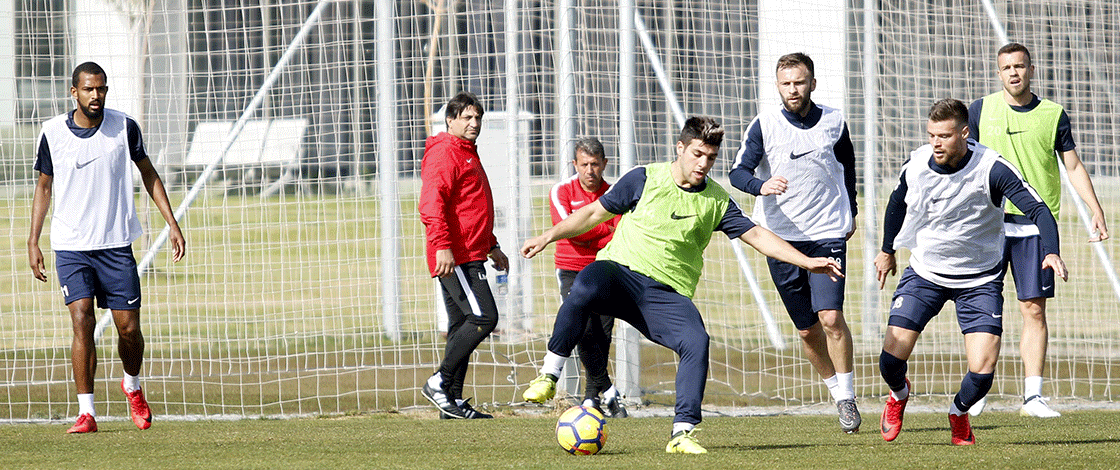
1032, 134
799, 160
83, 161
948, 209
647, 274
573, 254
457, 209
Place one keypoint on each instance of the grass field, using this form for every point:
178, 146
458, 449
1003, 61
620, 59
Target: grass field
1083, 439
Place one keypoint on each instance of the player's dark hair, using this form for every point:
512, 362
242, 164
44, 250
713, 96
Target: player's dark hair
1015, 47
949, 109
704, 128
591, 146
795, 59
87, 67
461, 102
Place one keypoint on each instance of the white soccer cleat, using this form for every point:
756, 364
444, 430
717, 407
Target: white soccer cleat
978, 407
1036, 407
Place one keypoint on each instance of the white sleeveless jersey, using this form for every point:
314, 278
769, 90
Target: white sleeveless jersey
92, 187
952, 227
816, 205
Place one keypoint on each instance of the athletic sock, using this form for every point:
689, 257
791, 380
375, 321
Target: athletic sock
553, 364
893, 371
954, 410
85, 404
131, 383
1032, 386
682, 427
436, 381
973, 387
844, 388
611, 393
832, 385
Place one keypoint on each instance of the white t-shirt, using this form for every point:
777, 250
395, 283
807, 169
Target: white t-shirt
93, 183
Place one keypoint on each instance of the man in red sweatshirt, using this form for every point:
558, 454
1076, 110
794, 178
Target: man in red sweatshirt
457, 209
573, 254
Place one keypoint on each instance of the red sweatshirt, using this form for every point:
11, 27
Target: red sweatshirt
566, 197
456, 205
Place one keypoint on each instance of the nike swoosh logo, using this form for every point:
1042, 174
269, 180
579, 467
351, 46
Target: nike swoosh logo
674, 216
130, 302
83, 165
1011, 132
836, 250
578, 203
1046, 287
470, 160
795, 156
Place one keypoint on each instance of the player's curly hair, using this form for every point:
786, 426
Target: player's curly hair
949, 109
87, 67
704, 128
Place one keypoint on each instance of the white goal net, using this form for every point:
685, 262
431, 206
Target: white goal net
292, 134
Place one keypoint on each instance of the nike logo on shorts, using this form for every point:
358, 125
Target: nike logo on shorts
130, 302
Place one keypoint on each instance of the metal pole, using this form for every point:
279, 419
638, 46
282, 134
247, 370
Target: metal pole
870, 318
565, 89
387, 168
628, 353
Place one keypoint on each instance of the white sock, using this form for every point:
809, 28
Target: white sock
901, 394
832, 383
845, 389
553, 364
85, 404
435, 381
611, 393
1032, 386
953, 410
685, 427
131, 383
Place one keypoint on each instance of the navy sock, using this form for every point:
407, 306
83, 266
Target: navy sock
893, 371
973, 387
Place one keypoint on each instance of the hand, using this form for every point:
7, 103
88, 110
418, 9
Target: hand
1100, 229
775, 185
178, 244
501, 262
445, 262
884, 265
1055, 262
35, 257
825, 266
533, 246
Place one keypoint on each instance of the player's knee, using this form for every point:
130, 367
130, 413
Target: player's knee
833, 322
812, 334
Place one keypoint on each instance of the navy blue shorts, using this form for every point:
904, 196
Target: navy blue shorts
1025, 255
805, 293
916, 301
109, 276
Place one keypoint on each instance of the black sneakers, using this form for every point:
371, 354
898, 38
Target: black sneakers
439, 398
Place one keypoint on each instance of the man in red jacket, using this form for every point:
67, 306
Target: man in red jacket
573, 254
457, 209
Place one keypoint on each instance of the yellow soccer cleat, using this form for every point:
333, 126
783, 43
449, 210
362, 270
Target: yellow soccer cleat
541, 389
685, 442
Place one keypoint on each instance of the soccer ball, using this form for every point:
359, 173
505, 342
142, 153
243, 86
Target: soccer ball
581, 430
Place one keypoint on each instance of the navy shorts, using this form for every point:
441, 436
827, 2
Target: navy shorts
805, 293
1025, 255
916, 301
108, 275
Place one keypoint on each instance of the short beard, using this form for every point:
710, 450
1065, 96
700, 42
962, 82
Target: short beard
93, 115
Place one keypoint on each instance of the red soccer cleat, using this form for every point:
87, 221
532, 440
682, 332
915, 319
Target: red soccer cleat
138, 408
85, 424
962, 430
890, 424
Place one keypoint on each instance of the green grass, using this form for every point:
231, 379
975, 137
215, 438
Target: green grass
1083, 439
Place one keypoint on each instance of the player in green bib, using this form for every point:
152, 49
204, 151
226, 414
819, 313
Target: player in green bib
647, 274
1034, 135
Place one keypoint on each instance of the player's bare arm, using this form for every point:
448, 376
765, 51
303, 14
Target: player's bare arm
39, 205
578, 223
1053, 261
885, 265
771, 245
154, 185
1079, 178
774, 185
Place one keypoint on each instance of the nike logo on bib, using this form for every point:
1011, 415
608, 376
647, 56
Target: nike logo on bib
795, 156
1011, 132
80, 165
674, 216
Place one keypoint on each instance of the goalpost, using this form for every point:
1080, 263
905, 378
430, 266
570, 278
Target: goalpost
315, 299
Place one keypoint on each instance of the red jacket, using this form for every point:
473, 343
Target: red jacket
456, 205
566, 197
